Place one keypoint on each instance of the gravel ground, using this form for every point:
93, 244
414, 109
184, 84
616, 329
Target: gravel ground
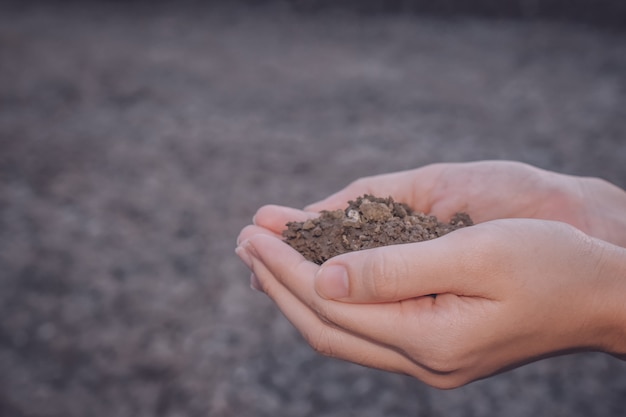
136, 139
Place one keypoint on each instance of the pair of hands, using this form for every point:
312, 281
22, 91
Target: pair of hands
543, 272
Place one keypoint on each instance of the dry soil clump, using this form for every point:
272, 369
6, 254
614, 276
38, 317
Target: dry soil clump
368, 222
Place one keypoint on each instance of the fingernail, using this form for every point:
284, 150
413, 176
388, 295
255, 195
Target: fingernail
332, 282
244, 255
255, 284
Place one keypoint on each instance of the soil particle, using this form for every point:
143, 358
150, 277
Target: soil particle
368, 222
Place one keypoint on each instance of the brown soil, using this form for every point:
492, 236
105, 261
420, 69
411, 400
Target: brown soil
368, 222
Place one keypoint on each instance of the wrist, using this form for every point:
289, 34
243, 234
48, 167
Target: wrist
592, 205
611, 308
606, 205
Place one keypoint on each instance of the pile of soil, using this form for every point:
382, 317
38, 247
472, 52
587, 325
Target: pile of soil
368, 222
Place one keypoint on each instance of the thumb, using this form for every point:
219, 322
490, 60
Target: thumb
400, 185
399, 272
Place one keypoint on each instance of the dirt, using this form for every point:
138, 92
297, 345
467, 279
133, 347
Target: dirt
368, 222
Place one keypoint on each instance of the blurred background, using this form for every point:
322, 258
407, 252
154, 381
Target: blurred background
137, 139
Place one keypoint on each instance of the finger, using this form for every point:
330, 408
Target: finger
379, 185
275, 217
449, 264
321, 335
251, 230
289, 270
411, 187
245, 234
402, 337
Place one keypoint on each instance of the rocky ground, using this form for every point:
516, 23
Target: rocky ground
136, 139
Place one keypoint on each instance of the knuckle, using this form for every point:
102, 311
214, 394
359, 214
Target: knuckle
324, 311
440, 373
267, 289
381, 275
445, 360
323, 314
441, 364
320, 340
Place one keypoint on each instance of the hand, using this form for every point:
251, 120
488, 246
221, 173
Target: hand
490, 190
507, 292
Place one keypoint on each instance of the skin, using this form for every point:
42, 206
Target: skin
542, 273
